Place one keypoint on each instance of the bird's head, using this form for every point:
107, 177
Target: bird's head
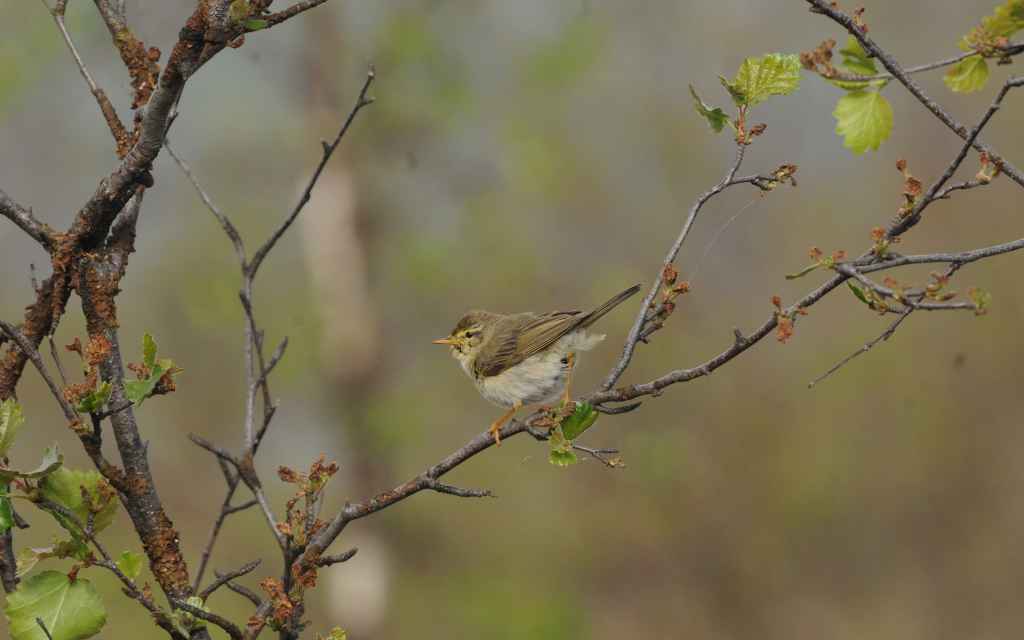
468, 335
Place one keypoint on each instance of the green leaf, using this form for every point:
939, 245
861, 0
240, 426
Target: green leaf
94, 401
130, 564
856, 59
717, 119
859, 293
774, 74
561, 454
968, 75
255, 24
581, 419
70, 610
11, 419
138, 390
803, 272
1007, 20
52, 460
864, 119
6, 515
29, 557
64, 487
148, 350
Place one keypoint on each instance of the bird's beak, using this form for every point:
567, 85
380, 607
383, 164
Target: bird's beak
449, 340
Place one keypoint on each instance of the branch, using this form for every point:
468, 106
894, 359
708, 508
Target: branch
641, 318
26, 221
911, 219
328, 151
162, 619
864, 349
229, 627
224, 578
847, 22
290, 12
122, 139
225, 223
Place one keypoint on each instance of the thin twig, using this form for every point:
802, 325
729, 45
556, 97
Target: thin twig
121, 135
326, 561
641, 318
225, 223
826, 8
885, 335
931, 194
26, 347
290, 12
26, 221
224, 578
328, 151
229, 627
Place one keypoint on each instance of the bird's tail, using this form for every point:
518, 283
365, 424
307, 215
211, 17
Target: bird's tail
599, 312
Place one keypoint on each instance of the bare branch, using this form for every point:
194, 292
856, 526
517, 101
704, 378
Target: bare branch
914, 216
326, 561
225, 223
641, 318
245, 592
847, 22
290, 12
224, 578
122, 139
885, 335
229, 627
29, 350
26, 221
328, 151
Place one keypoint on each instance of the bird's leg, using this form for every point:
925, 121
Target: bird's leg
495, 429
570, 362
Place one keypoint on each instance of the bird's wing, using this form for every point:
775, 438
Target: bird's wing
528, 335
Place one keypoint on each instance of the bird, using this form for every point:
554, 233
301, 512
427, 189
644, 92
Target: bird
524, 358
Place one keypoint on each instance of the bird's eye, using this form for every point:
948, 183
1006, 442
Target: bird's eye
472, 334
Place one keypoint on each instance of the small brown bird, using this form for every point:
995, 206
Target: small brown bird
524, 358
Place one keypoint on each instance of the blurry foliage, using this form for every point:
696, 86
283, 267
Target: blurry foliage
749, 502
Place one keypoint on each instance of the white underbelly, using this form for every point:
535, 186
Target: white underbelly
540, 378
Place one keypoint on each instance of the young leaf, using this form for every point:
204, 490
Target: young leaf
29, 557
255, 24
774, 74
52, 460
561, 454
581, 419
130, 564
716, 118
70, 610
148, 350
1007, 20
94, 401
11, 419
967, 76
64, 487
856, 60
864, 119
859, 293
152, 370
138, 390
6, 515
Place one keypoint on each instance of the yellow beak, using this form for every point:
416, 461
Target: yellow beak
448, 340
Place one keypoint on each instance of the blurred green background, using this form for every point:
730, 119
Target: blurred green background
537, 155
